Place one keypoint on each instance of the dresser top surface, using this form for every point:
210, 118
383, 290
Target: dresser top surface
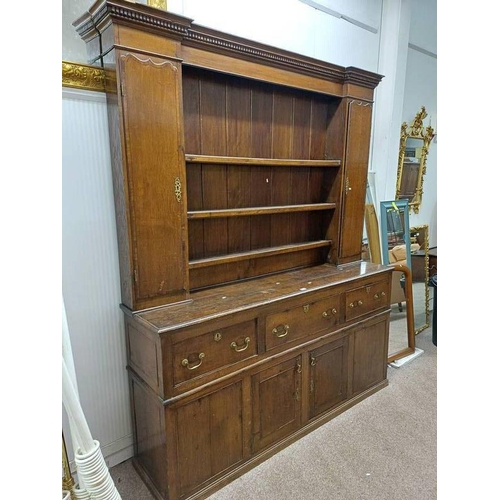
228, 299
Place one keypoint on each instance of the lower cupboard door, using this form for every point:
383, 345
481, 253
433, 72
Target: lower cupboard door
276, 403
370, 355
209, 436
328, 376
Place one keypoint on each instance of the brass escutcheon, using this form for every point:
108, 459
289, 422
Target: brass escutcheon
217, 336
306, 308
178, 189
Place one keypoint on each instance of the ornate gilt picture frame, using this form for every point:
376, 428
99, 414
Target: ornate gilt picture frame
411, 170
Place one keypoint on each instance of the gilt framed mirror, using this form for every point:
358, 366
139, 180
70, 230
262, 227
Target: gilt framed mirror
422, 292
414, 146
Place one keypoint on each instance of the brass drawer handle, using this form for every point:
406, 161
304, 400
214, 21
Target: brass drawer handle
360, 302
354, 304
351, 305
281, 331
383, 294
376, 296
326, 314
313, 361
185, 362
234, 345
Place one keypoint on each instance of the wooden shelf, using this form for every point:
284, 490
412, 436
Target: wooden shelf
273, 162
255, 254
241, 212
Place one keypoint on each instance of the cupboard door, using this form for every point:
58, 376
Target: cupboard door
328, 376
370, 355
357, 150
150, 98
209, 436
276, 402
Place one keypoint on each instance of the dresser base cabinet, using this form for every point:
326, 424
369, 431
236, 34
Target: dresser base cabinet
237, 398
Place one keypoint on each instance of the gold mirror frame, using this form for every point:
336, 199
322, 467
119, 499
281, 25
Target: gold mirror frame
415, 131
424, 247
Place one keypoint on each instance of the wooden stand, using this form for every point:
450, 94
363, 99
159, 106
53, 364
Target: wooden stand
239, 177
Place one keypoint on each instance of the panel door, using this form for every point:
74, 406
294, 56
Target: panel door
357, 150
370, 355
327, 376
209, 436
276, 394
154, 176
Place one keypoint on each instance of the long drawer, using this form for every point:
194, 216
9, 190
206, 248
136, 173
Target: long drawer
213, 350
366, 299
300, 321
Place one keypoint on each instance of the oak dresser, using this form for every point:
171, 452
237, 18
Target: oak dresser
239, 176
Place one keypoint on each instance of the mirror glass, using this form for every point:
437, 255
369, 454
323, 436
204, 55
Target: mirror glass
413, 150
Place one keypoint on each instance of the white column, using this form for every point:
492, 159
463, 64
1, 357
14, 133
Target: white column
389, 96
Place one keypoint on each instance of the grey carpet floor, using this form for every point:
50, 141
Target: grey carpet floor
384, 448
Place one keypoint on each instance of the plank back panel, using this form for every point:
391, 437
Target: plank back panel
232, 116
260, 185
214, 177
301, 147
239, 134
192, 139
282, 135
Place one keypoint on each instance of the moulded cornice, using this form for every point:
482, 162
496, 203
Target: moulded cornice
179, 27
122, 11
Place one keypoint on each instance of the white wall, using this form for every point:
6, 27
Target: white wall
90, 274
90, 268
73, 47
421, 90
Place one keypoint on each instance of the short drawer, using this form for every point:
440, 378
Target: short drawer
213, 350
306, 319
367, 298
